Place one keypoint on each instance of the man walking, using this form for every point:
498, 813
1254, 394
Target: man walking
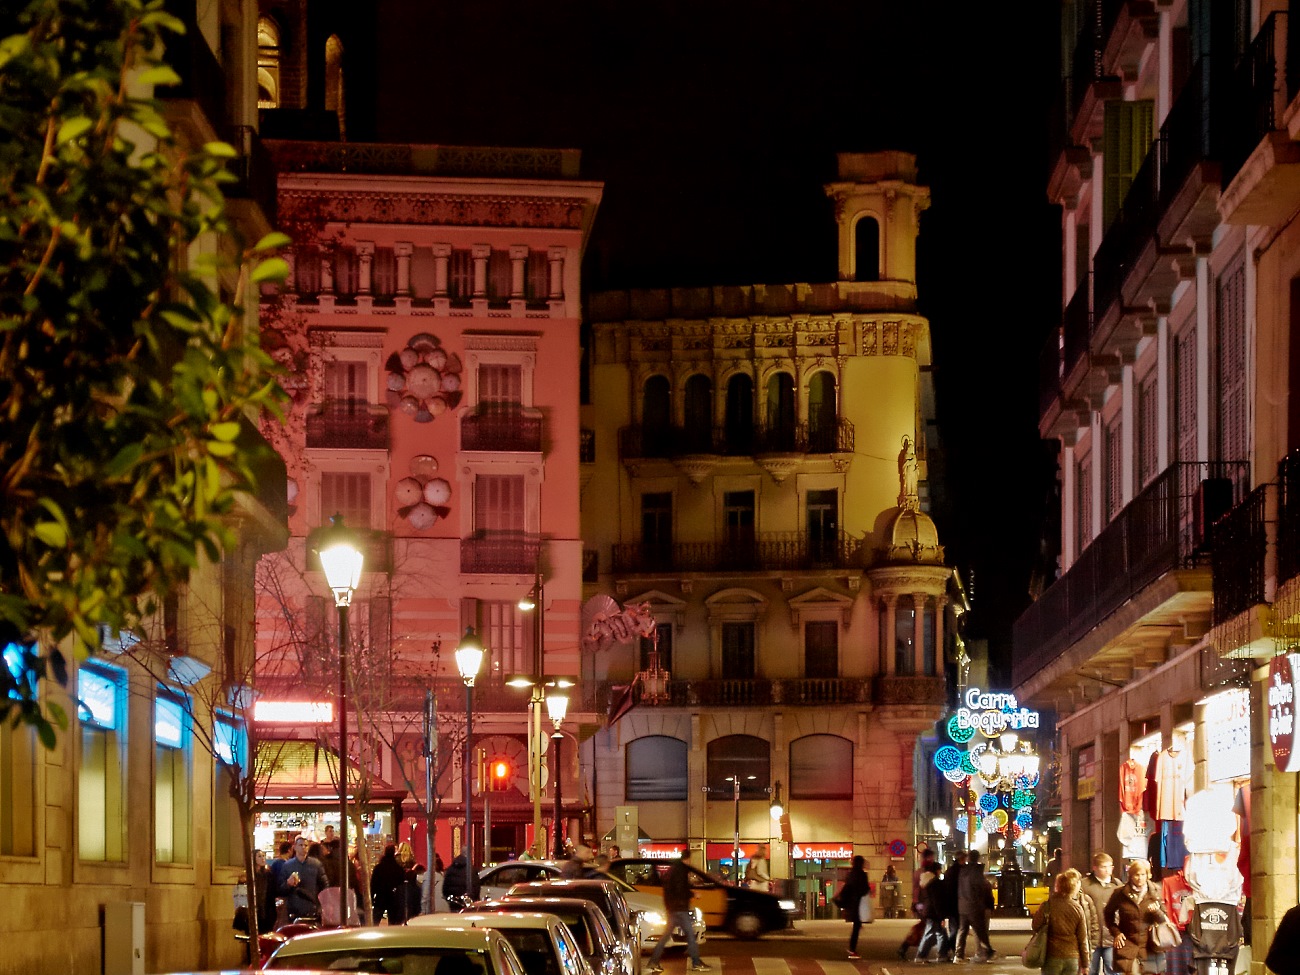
974, 904
302, 878
949, 895
677, 902
1098, 886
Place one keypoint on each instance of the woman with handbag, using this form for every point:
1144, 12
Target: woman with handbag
1060, 931
1131, 914
856, 887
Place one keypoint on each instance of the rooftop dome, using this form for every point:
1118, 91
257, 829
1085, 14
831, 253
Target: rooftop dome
913, 538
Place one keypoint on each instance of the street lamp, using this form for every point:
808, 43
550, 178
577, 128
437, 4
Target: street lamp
735, 844
341, 560
776, 808
469, 658
557, 706
533, 602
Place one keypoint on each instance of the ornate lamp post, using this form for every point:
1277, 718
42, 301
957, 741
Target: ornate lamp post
557, 706
533, 603
341, 560
469, 658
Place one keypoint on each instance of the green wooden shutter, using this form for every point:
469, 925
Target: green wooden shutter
1126, 139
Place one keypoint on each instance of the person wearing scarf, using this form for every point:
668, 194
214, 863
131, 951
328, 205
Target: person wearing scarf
1129, 915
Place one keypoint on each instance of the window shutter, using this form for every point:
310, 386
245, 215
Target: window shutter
1127, 131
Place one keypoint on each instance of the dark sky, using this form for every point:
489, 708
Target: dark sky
714, 125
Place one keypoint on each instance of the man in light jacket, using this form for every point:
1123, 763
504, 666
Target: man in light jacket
1098, 887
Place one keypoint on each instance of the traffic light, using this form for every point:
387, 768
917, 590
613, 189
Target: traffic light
501, 772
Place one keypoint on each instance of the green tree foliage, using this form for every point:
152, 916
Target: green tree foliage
125, 377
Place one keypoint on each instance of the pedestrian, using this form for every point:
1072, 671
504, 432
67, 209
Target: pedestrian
678, 893
302, 878
929, 908
757, 873
948, 896
1055, 865
1129, 914
857, 885
460, 881
614, 852
1067, 936
1097, 886
388, 888
578, 863
889, 885
1091, 916
974, 905
1284, 953
415, 891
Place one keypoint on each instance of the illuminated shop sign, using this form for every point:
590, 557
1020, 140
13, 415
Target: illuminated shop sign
1227, 735
822, 851
661, 851
1281, 712
992, 713
293, 712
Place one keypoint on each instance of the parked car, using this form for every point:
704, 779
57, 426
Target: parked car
542, 941
742, 911
406, 949
605, 894
647, 906
596, 939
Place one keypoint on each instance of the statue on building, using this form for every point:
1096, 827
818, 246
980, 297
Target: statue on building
908, 472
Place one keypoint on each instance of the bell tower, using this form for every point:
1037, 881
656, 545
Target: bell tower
878, 205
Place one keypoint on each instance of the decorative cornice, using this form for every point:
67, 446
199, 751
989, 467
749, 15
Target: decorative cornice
434, 209
500, 343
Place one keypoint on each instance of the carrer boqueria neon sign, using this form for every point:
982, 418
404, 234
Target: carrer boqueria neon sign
991, 713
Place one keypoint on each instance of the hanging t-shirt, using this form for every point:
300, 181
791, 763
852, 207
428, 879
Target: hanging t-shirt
1172, 849
1150, 792
1134, 828
1178, 898
1241, 806
1173, 773
1132, 785
1214, 879
1215, 930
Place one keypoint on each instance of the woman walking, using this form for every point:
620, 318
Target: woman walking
1129, 915
849, 900
1067, 930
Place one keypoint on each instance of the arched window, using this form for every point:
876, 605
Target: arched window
742, 756
335, 100
821, 767
866, 249
740, 414
781, 418
268, 63
822, 413
656, 769
699, 414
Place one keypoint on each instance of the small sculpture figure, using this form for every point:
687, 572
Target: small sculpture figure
908, 472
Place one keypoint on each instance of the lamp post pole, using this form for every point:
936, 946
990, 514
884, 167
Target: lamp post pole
535, 719
735, 836
341, 561
559, 811
469, 658
430, 773
557, 705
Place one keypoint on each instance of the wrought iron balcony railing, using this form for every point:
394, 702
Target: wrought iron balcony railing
1238, 552
831, 436
749, 692
500, 552
1262, 74
762, 552
359, 426
511, 430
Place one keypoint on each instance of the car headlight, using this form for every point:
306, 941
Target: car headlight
786, 904
654, 919
699, 915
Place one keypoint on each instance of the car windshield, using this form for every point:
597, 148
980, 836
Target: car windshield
533, 946
393, 960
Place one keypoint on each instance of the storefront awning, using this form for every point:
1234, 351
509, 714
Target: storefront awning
302, 774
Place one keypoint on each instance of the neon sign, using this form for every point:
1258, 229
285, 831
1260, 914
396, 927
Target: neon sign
992, 713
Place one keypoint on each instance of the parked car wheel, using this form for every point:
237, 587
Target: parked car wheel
745, 926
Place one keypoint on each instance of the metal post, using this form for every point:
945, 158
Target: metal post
559, 813
468, 845
343, 764
430, 775
535, 716
735, 847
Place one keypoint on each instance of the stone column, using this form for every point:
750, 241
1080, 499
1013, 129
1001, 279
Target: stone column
441, 263
887, 648
918, 629
403, 252
518, 267
365, 260
327, 272
481, 253
556, 257
940, 606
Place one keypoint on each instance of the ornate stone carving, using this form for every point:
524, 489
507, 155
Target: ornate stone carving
446, 209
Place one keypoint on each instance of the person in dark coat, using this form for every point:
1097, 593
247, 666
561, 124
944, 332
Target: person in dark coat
948, 896
265, 893
459, 881
857, 885
1284, 953
1129, 914
678, 894
974, 905
388, 888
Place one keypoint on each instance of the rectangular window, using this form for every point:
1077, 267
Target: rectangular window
737, 651
461, 276
17, 790
171, 779
1127, 135
101, 820
657, 528
738, 516
499, 502
346, 493
383, 273
1230, 366
508, 638
821, 648
905, 638
539, 277
499, 274
1083, 503
1113, 483
1148, 406
1184, 405
230, 754
665, 631
823, 526
500, 387
346, 383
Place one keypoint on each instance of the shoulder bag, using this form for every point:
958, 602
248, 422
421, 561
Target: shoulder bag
864, 908
1035, 953
1164, 936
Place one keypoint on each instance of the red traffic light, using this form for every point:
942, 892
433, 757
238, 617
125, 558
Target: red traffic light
501, 773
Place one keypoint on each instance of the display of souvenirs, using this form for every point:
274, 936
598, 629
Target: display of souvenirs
1214, 876
1134, 828
1132, 785
1210, 824
1214, 930
1173, 777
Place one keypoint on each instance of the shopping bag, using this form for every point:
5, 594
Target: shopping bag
1164, 935
864, 909
1035, 953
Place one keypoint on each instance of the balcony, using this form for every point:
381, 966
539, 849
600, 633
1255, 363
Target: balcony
764, 552
900, 690
1049, 376
1164, 529
832, 436
750, 692
1238, 554
1262, 170
500, 553
348, 425
508, 430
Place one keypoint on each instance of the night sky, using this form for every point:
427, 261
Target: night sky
714, 125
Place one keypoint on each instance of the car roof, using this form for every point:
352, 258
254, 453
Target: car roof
486, 919
427, 936
572, 882
524, 901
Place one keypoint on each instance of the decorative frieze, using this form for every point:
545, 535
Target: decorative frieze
429, 209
